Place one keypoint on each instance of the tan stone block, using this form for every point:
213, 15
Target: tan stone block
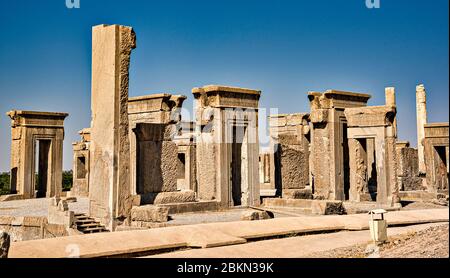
150, 213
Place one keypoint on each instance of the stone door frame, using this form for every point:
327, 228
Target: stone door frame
378, 134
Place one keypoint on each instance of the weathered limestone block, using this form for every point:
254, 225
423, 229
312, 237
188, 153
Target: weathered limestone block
206, 175
255, 215
289, 161
408, 168
58, 213
143, 225
294, 164
175, 197
150, 213
5, 242
297, 194
168, 197
327, 207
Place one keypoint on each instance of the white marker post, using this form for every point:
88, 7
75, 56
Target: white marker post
378, 227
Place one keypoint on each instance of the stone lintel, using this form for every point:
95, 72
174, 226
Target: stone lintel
370, 116
37, 119
337, 99
436, 130
36, 114
154, 103
227, 97
295, 119
402, 144
220, 88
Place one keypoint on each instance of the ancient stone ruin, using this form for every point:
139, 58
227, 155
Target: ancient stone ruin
139, 162
36, 136
330, 161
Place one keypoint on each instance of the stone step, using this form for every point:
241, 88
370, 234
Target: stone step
85, 221
94, 230
87, 225
94, 224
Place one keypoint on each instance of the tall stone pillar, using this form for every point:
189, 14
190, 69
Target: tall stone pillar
391, 101
109, 194
421, 109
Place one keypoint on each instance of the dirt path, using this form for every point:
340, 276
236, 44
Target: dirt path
432, 242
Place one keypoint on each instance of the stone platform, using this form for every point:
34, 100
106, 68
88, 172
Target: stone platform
159, 240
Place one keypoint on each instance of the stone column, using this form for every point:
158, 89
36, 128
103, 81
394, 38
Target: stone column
109, 194
421, 109
391, 101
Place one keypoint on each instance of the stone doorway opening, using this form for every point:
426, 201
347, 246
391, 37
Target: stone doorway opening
442, 168
366, 169
238, 158
345, 160
43, 165
148, 157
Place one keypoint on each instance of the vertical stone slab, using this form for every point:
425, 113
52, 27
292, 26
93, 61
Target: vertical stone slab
421, 110
109, 194
358, 173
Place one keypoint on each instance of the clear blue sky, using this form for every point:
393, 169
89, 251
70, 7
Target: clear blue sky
284, 48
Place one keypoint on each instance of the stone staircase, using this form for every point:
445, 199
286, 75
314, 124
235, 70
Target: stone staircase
87, 225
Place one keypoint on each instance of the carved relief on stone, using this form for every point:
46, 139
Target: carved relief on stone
361, 172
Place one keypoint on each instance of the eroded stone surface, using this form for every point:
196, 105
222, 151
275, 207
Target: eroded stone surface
109, 180
255, 215
436, 143
31, 130
150, 213
5, 241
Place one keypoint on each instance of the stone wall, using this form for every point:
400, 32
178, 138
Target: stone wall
290, 135
408, 168
30, 228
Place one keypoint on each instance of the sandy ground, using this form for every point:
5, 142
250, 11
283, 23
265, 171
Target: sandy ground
429, 243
